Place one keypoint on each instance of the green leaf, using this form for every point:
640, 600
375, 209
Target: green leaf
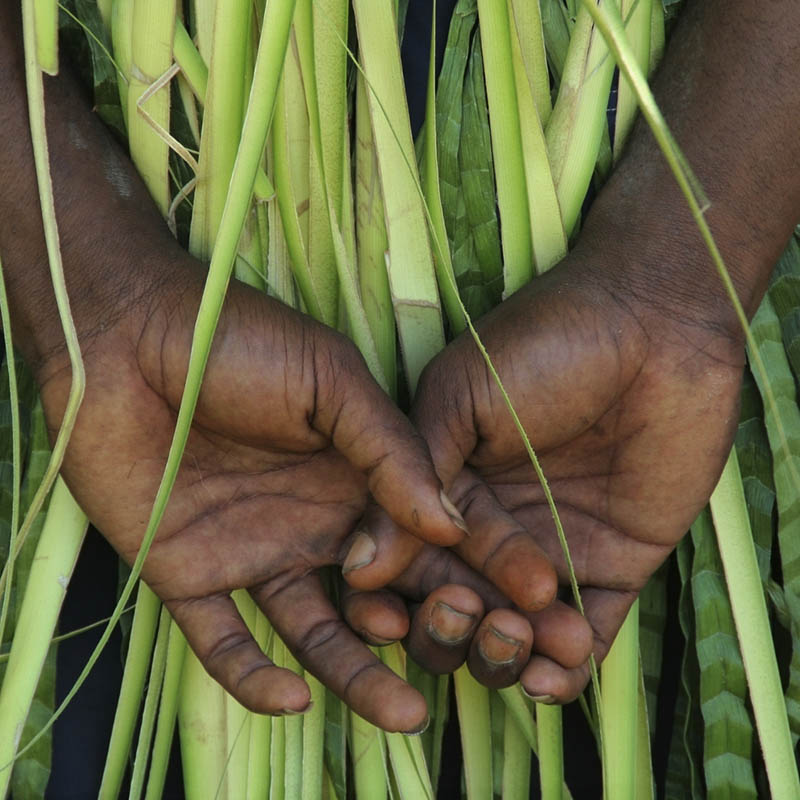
652, 618
728, 734
683, 778
767, 335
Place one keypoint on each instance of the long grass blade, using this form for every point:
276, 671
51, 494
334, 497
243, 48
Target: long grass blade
752, 626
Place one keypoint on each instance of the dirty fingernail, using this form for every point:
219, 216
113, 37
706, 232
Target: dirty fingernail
362, 552
497, 648
547, 699
421, 728
448, 625
293, 712
453, 512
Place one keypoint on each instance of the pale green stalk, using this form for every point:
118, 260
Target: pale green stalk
293, 731
56, 554
280, 281
372, 242
223, 113
433, 196
645, 783
368, 751
46, 26
550, 744
323, 198
271, 52
738, 555
576, 126
16, 451
526, 18
290, 172
258, 769
277, 759
35, 91
412, 276
509, 161
203, 20
330, 26
237, 719
619, 680
472, 701
638, 16
313, 722
151, 34
121, 25
167, 714
203, 736
516, 774
154, 684
549, 239
137, 662
413, 781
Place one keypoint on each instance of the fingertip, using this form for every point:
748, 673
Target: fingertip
273, 690
562, 634
544, 679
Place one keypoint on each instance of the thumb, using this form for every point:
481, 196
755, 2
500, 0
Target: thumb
370, 431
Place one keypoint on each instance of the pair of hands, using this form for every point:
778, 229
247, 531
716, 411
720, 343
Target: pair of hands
631, 414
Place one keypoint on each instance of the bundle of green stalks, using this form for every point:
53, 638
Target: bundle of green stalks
274, 136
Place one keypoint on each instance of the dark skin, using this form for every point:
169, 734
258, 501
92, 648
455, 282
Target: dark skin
624, 363
290, 435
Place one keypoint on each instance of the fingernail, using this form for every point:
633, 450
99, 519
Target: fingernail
547, 699
293, 712
362, 552
453, 512
448, 625
497, 648
420, 729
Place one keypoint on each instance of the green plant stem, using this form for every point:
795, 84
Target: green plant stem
167, 714
620, 694
16, 451
151, 702
516, 774
504, 119
576, 126
313, 740
410, 262
368, 748
56, 554
137, 662
476, 741
729, 511
433, 196
550, 744
46, 27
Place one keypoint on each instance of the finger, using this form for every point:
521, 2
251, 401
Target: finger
442, 628
377, 617
311, 628
369, 430
562, 634
500, 648
218, 635
378, 551
548, 681
500, 548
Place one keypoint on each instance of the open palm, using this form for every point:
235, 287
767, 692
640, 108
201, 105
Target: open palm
290, 434
631, 411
